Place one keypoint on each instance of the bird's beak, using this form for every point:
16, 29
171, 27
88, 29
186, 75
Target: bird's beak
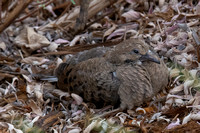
148, 57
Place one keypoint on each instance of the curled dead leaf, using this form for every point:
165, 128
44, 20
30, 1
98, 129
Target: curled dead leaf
53, 46
141, 110
75, 130
173, 124
35, 108
130, 15
110, 30
34, 60
92, 125
31, 40
77, 98
2, 46
177, 89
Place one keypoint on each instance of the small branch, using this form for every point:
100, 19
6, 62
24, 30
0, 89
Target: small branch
107, 113
31, 13
87, 12
22, 4
101, 17
83, 16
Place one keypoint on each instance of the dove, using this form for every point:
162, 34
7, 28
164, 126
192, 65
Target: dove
126, 75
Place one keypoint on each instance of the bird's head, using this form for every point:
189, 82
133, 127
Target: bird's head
131, 51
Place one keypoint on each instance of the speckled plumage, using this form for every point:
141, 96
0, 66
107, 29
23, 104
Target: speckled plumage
115, 74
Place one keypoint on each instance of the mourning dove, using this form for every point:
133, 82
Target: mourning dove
129, 73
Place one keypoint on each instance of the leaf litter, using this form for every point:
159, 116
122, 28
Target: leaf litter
32, 48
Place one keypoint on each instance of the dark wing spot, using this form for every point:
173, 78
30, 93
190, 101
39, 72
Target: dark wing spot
75, 86
66, 81
79, 83
83, 86
99, 88
99, 95
67, 73
70, 79
71, 88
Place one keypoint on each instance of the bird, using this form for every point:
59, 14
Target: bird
126, 75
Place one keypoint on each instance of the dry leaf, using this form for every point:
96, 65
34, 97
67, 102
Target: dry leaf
53, 46
76, 130
109, 31
92, 125
130, 15
35, 108
34, 60
2, 46
173, 124
77, 98
31, 40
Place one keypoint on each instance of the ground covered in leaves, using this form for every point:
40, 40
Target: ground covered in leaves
36, 36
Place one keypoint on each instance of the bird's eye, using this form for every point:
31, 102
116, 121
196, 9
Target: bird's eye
136, 51
149, 51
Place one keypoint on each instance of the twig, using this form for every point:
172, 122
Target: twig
107, 113
83, 16
40, 3
93, 8
9, 72
15, 13
101, 17
78, 48
67, 4
31, 13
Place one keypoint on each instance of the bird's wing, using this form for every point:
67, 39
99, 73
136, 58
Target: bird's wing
94, 79
80, 57
135, 85
88, 54
159, 75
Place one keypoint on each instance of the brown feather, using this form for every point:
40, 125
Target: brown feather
114, 74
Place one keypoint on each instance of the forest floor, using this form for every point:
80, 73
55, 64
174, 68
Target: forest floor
36, 36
